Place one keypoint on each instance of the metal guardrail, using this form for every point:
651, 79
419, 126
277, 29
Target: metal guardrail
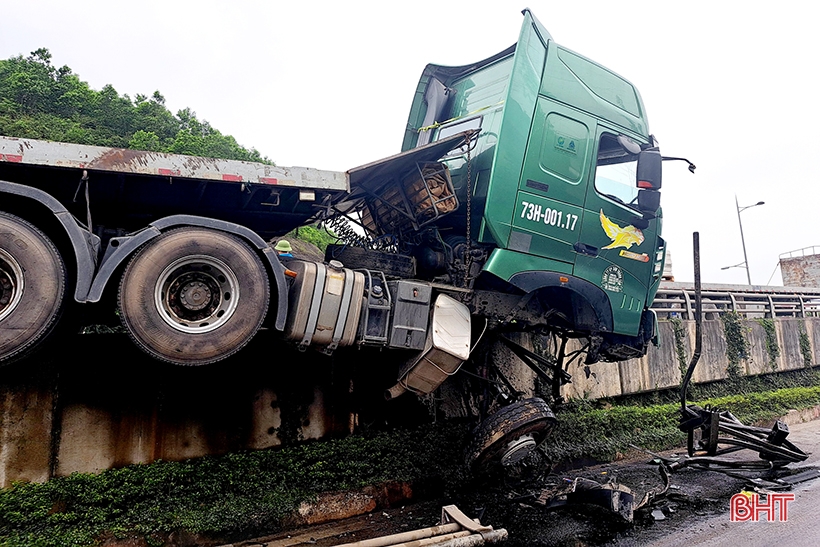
752, 302
805, 251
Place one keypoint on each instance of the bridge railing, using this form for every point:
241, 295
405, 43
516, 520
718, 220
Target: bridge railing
678, 300
805, 251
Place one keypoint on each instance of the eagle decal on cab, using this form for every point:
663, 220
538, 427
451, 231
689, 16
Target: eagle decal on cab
621, 237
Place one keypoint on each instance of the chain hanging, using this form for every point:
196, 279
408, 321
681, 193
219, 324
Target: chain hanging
468, 251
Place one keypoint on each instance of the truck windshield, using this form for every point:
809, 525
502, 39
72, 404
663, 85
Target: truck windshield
616, 171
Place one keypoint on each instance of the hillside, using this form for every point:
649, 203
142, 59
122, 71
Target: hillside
41, 101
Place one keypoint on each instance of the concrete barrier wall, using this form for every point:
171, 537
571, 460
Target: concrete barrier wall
661, 367
95, 401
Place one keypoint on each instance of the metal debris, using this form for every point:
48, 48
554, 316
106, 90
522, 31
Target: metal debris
721, 433
803, 476
456, 530
615, 497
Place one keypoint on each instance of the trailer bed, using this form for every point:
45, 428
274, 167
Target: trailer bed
128, 188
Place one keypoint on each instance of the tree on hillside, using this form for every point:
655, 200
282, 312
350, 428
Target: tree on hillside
40, 101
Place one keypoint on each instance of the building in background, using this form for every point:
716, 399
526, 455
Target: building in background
801, 268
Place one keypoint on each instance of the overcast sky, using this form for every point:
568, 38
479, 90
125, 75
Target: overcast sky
730, 85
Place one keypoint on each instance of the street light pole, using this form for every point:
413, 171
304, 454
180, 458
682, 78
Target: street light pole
743, 242
742, 239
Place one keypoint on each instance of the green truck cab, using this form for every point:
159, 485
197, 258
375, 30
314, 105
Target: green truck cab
553, 184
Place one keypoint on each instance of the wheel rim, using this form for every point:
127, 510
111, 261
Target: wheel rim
518, 449
11, 284
196, 294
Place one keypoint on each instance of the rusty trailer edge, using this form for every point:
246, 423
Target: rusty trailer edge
119, 160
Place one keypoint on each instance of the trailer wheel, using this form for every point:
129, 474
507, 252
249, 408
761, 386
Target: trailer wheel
32, 287
193, 296
510, 435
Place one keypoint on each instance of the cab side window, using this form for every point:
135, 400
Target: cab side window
616, 171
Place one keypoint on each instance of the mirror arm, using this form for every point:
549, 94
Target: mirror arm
691, 165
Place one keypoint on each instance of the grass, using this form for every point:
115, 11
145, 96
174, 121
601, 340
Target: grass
235, 495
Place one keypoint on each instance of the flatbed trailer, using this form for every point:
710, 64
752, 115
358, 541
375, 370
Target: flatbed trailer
129, 198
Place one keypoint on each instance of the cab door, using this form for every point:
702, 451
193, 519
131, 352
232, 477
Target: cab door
552, 188
615, 249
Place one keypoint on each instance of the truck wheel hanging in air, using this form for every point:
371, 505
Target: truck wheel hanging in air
194, 296
32, 287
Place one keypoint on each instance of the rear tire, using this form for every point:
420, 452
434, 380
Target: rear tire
194, 296
32, 287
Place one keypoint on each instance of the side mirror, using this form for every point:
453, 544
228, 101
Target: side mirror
649, 201
649, 169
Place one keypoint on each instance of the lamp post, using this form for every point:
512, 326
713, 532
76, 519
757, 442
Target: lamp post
745, 262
